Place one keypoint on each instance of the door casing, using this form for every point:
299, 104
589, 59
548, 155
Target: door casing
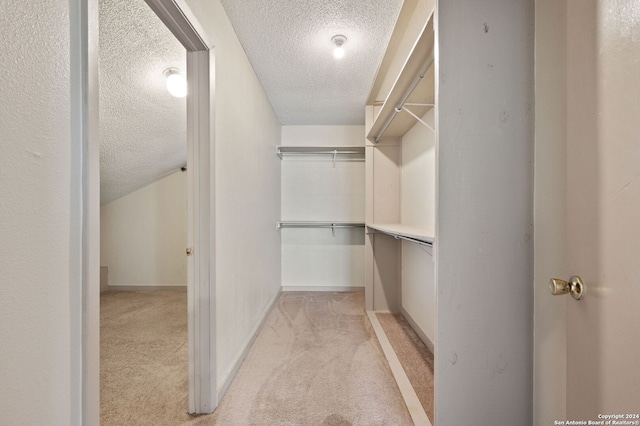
85, 340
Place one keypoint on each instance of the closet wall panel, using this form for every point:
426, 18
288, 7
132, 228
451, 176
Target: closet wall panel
315, 188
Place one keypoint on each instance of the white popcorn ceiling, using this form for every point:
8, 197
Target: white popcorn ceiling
142, 127
289, 45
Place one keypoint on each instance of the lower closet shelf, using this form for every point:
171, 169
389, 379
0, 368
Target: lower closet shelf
411, 233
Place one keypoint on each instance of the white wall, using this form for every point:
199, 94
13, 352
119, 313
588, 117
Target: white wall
418, 197
247, 193
38, 252
314, 190
143, 235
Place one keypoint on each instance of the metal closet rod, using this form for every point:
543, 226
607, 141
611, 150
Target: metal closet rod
330, 225
412, 240
400, 105
321, 152
320, 225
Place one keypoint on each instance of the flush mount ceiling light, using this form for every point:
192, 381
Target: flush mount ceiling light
176, 84
338, 40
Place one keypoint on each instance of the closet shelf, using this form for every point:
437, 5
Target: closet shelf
412, 94
354, 151
405, 232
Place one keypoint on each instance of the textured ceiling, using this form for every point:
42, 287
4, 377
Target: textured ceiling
142, 127
289, 45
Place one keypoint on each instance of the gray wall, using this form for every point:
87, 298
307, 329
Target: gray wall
484, 232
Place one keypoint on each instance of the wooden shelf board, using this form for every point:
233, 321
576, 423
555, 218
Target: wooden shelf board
424, 92
393, 229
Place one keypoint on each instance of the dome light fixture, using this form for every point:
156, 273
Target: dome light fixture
176, 84
338, 40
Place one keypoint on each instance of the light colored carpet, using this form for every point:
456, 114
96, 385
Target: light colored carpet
415, 357
316, 362
143, 358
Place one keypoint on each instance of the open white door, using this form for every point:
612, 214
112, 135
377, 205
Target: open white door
603, 209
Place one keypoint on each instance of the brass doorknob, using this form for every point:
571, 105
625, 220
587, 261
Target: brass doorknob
575, 286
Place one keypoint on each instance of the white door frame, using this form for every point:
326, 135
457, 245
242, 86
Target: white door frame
177, 16
200, 160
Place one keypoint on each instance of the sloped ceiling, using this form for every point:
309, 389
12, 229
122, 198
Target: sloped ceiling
289, 45
142, 127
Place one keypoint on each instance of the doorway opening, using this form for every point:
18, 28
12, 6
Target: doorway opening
201, 340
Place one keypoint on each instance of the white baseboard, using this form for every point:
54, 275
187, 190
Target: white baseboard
146, 287
321, 288
222, 390
425, 339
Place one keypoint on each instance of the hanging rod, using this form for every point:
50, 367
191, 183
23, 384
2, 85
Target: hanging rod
412, 240
400, 105
332, 152
311, 224
319, 224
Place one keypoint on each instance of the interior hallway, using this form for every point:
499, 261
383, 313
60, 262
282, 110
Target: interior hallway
316, 361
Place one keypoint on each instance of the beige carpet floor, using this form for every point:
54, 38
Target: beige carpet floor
143, 358
316, 362
413, 354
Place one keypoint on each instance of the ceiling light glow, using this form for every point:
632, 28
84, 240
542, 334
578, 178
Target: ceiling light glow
176, 84
338, 40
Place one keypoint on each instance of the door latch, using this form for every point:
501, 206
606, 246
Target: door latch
575, 286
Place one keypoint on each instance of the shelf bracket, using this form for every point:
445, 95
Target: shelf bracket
333, 230
335, 154
404, 108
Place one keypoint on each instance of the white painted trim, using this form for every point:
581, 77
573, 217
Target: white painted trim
414, 325
200, 141
418, 415
182, 22
293, 288
147, 288
84, 283
179, 19
226, 382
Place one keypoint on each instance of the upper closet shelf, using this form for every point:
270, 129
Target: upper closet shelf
412, 94
411, 233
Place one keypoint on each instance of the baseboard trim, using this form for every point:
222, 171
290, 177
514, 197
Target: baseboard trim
425, 339
288, 289
222, 390
146, 287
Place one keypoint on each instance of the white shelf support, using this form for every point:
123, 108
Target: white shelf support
420, 120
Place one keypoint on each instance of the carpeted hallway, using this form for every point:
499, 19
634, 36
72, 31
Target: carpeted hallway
315, 362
